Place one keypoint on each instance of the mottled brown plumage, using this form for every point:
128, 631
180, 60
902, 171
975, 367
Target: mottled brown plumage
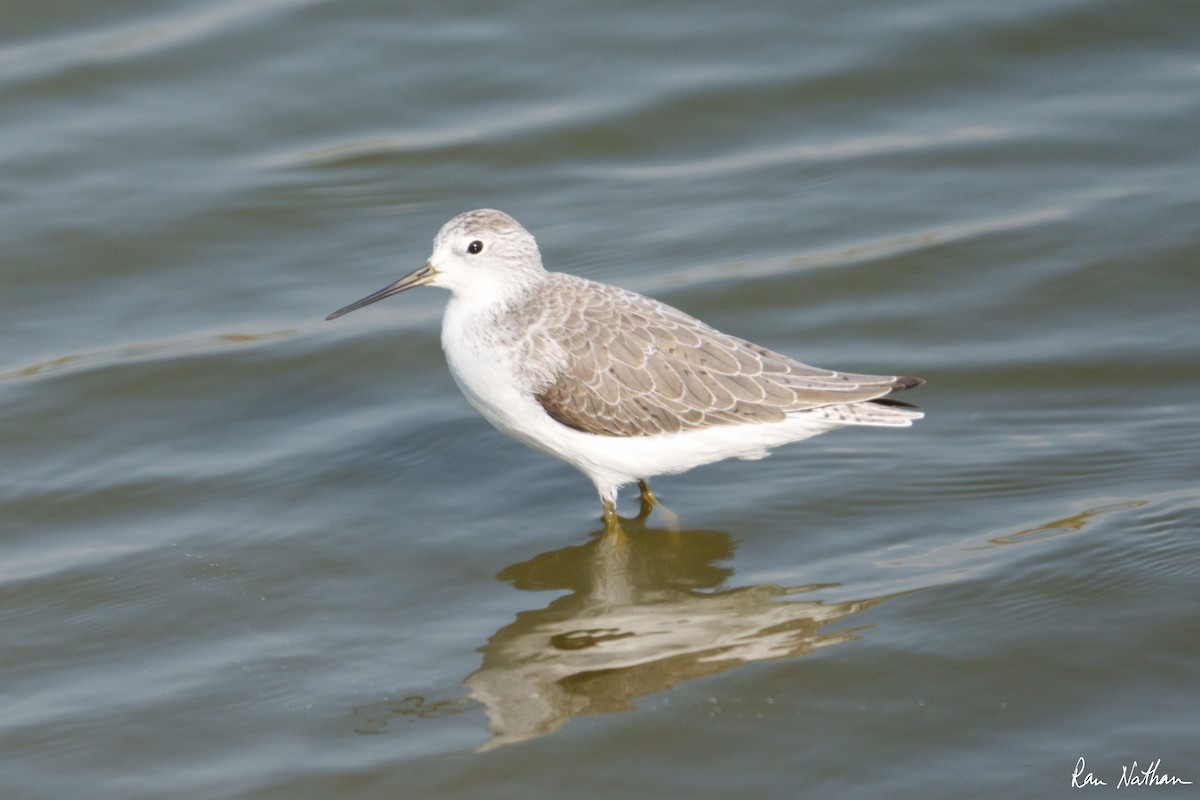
632, 366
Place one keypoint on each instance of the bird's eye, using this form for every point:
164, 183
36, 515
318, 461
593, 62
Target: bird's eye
475, 247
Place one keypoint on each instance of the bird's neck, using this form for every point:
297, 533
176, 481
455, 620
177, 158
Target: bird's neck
488, 301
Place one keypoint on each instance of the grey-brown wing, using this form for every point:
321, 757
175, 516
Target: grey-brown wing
631, 366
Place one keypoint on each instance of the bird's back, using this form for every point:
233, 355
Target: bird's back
628, 365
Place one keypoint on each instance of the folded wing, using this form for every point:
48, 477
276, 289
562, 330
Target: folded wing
631, 366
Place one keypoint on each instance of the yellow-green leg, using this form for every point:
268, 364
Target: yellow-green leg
650, 501
612, 523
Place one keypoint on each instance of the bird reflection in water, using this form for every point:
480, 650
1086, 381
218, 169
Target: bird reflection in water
645, 613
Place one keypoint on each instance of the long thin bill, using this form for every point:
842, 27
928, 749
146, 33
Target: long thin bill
419, 278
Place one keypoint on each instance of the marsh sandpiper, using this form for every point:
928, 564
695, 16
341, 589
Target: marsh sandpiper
620, 386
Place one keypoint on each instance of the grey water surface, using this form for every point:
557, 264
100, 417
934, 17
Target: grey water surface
246, 553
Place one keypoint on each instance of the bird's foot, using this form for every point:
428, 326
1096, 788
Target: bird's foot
612, 523
649, 502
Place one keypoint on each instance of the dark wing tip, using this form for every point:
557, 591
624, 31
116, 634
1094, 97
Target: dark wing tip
891, 403
899, 385
902, 383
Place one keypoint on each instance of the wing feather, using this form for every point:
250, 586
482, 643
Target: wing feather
625, 365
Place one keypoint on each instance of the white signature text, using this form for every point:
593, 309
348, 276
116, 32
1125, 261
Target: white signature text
1130, 776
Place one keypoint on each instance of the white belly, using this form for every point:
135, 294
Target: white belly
492, 384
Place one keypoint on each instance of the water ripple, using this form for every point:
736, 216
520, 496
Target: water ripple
132, 39
143, 351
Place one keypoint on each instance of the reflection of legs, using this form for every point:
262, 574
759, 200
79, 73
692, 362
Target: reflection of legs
649, 502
